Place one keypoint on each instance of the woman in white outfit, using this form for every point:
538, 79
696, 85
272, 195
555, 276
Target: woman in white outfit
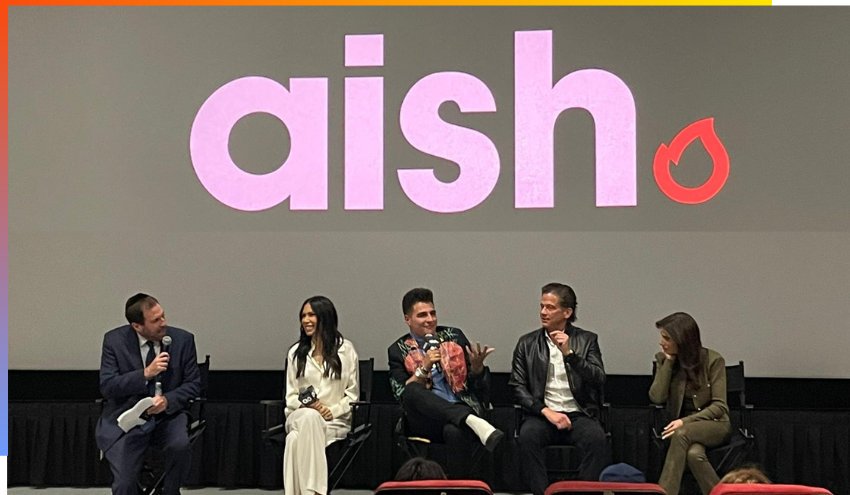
323, 359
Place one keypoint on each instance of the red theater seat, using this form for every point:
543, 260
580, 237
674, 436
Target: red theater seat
759, 489
434, 487
597, 487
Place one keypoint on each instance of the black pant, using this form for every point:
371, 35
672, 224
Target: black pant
536, 433
127, 453
430, 416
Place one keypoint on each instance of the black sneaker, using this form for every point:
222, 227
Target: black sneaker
494, 440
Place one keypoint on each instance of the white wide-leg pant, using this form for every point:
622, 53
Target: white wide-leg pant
305, 468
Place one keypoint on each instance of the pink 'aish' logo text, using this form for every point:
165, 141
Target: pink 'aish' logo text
303, 108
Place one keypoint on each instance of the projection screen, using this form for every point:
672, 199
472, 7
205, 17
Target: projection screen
234, 161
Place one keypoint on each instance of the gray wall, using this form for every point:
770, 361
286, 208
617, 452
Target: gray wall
104, 202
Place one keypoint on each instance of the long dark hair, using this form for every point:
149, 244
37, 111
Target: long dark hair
684, 331
327, 331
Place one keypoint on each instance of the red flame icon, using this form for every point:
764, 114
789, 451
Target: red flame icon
704, 130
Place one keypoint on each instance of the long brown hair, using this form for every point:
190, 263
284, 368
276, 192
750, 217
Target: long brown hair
746, 474
684, 331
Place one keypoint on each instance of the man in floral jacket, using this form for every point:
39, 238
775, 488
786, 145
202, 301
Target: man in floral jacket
442, 383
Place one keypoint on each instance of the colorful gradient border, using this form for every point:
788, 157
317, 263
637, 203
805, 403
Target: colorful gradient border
4, 135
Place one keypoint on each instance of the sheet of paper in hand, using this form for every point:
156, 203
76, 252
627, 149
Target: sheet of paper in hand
133, 417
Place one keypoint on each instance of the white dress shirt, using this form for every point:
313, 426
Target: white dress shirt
558, 395
143, 344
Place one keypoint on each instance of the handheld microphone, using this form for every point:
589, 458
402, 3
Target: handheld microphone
432, 342
307, 395
163, 347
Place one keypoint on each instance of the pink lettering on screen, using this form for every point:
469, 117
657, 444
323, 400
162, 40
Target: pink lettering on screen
303, 177
364, 143
537, 105
364, 50
303, 109
364, 125
473, 152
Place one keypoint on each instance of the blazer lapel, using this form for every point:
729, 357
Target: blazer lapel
133, 347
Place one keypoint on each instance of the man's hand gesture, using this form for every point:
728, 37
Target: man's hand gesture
562, 340
477, 356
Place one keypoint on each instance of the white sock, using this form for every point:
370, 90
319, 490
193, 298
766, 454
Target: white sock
480, 427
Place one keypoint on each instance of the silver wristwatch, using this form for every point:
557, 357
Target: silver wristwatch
419, 373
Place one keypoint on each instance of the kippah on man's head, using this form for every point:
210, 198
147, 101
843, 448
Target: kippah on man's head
134, 309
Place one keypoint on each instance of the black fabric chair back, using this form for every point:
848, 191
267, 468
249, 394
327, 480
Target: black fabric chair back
204, 369
362, 410
736, 390
366, 368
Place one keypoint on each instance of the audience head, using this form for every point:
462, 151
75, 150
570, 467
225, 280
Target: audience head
319, 327
746, 474
418, 468
557, 306
419, 313
680, 337
146, 316
622, 473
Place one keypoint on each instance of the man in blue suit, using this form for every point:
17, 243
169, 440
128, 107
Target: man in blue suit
133, 366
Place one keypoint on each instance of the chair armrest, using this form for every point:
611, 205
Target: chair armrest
195, 428
357, 420
275, 434
746, 421
517, 419
605, 414
359, 433
268, 405
359, 429
197, 409
657, 420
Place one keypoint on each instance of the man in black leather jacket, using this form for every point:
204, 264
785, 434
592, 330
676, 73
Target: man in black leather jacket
557, 376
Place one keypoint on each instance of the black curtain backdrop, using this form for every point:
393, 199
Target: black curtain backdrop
51, 442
